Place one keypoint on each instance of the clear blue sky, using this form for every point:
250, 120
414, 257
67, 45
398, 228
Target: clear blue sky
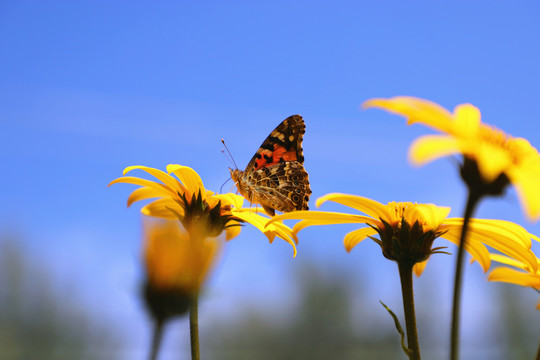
90, 87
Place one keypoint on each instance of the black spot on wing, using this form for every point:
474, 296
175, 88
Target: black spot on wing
269, 159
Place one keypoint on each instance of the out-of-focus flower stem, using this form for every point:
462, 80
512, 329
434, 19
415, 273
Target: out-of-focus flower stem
406, 277
194, 328
156, 339
472, 202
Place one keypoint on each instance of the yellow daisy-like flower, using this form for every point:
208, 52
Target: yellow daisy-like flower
184, 197
176, 259
407, 230
177, 263
523, 274
499, 158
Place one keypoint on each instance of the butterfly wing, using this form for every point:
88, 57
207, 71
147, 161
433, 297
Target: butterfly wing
283, 187
275, 177
283, 144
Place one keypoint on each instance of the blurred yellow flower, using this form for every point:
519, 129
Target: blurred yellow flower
177, 263
498, 157
407, 230
523, 275
176, 259
184, 197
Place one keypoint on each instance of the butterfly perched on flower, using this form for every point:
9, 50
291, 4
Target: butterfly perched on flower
275, 177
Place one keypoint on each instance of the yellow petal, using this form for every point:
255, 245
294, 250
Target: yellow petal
231, 199
476, 249
507, 237
508, 275
428, 214
165, 178
162, 208
365, 205
467, 119
260, 222
507, 261
491, 160
232, 231
503, 243
355, 237
507, 229
431, 147
143, 182
323, 218
416, 110
143, 193
189, 178
285, 233
256, 220
527, 184
418, 268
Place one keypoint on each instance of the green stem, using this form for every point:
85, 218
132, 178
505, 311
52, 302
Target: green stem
406, 277
538, 353
194, 328
472, 201
156, 340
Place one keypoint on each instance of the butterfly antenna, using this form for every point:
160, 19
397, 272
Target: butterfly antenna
227, 157
230, 155
221, 188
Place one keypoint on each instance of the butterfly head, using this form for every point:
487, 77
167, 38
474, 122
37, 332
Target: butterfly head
235, 175
237, 178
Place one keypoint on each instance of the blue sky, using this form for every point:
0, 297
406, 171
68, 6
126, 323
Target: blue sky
90, 87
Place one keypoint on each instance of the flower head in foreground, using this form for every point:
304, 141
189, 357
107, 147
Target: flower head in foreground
407, 230
185, 198
492, 159
177, 263
521, 273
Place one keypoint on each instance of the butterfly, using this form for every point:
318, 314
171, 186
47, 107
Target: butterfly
275, 177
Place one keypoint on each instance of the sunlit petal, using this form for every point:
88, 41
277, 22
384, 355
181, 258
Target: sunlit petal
508, 275
233, 199
418, 268
161, 208
365, 205
431, 147
508, 261
233, 230
491, 160
143, 193
467, 119
191, 180
429, 215
165, 178
324, 217
143, 182
504, 228
508, 238
355, 237
477, 250
416, 110
527, 185
260, 222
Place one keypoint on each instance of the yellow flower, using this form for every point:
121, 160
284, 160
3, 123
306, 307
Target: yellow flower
176, 259
526, 275
184, 197
407, 230
498, 157
177, 263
